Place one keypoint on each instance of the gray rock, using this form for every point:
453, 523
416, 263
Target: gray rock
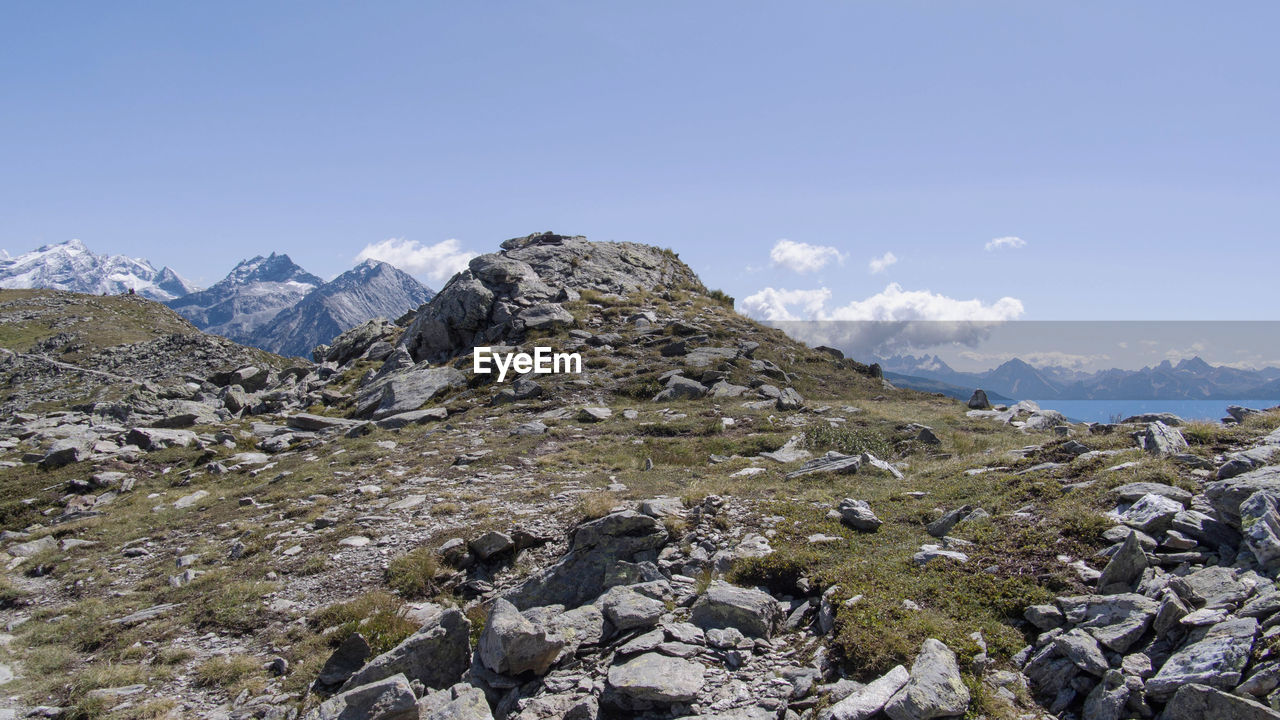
437, 655
935, 688
1216, 660
978, 400
926, 436
594, 414
1162, 440
1226, 496
1082, 649
752, 611
1045, 617
389, 698
1133, 492
160, 438
66, 451
629, 610
585, 625
596, 550
413, 417
490, 545
34, 547
943, 525
545, 315
460, 702
1115, 621
511, 645
344, 662
832, 462
1108, 699
406, 390
1200, 702
681, 388
857, 514
656, 678
789, 399
1211, 586
1260, 521
1125, 567
871, 698
1152, 514
1167, 418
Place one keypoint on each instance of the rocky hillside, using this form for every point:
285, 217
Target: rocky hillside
711, 520
370, 290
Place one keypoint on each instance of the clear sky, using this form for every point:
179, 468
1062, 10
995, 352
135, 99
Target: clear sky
1130, 148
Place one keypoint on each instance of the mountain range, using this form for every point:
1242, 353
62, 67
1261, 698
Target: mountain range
265, 302
1189, 379
73, 267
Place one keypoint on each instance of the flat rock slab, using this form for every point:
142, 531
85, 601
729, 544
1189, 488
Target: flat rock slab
1200, 702
150, 613
657, 678
864, 703
1216, 660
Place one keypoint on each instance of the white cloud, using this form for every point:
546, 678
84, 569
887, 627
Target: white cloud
892, 319
803, 257
771, 304
437, 263
1010, 242
882, 263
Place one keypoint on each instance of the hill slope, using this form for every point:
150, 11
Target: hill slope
593, 544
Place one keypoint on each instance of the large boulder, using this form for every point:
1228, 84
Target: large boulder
1216, 660
460, 702
754, 612
1162, 440
1201, 702
935, 688
160, 438
656, 678
511, 645
437, 655
870, 699
389, 698
592, 565
407, 390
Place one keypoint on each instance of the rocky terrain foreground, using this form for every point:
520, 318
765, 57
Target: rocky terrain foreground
711, 520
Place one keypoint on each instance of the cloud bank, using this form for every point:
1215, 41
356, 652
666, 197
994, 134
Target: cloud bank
891, 320
437, 263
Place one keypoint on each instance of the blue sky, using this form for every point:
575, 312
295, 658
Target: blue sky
1130, 146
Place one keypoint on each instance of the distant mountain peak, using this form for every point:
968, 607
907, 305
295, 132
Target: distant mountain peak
1195, 365
371, 289
72, 266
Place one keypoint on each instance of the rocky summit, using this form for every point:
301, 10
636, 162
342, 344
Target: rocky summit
705, 519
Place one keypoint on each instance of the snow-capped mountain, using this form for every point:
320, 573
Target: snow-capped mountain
371, 289
250, 296
73, 267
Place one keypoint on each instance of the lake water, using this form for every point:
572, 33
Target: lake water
1106, 410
